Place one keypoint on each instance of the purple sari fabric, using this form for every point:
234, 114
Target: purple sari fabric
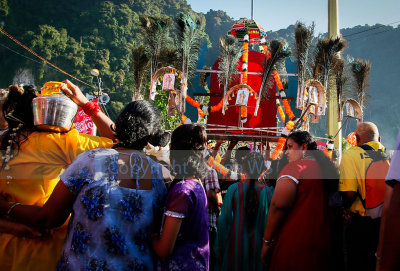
187, 200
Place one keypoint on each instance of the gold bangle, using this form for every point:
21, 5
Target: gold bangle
12, 207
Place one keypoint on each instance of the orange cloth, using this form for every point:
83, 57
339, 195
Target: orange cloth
35, 172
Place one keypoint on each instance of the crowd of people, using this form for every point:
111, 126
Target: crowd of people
140, 198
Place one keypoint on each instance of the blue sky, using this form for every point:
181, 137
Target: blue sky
275, 15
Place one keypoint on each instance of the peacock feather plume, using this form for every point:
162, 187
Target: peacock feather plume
278, 51
168, 57
189, 40
361, 70
190, 36
341, 79
280, 66
140, 62
325, 52
303, 38
230, 55
155, 32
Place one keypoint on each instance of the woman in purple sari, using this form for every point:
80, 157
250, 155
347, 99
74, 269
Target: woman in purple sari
184, 243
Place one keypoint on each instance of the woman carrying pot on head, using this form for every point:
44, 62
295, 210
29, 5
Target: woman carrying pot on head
297, 235
115, 196
32, 161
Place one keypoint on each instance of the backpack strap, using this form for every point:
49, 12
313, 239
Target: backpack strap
375, 155
366, 147
370, 151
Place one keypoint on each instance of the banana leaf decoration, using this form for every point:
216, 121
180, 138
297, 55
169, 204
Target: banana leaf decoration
277, 51
231, 52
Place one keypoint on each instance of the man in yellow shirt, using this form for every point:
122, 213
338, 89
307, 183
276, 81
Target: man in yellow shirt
362, 233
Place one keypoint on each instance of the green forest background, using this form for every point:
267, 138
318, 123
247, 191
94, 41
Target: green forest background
78, 36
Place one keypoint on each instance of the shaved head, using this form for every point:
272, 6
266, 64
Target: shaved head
366, 132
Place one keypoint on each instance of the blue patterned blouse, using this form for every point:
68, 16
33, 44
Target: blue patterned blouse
111, 225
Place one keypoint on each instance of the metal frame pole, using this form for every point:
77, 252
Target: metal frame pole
333, 118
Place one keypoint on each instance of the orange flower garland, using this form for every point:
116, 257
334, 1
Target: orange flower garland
217, 166
288, 110
282, 140
278, 148
277, 79
243, 112
221, 169
245, 59
280, 111
192, 101
200, 112
196, 104
217, 107
290, 125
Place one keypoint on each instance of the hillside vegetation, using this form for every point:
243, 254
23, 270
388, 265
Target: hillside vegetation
80, 35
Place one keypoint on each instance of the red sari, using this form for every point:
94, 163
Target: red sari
304, 241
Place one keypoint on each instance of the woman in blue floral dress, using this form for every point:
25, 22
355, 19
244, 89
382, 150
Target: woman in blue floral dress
115, 196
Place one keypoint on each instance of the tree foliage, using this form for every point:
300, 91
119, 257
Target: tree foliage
78, 36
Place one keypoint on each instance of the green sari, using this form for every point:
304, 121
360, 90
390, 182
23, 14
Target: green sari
236, 246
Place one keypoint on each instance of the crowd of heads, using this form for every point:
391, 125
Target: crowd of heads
139, 124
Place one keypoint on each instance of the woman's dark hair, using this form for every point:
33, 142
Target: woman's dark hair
160, 139
135, 126
253, 165
188, 142
330, 172
3, 96
17, 110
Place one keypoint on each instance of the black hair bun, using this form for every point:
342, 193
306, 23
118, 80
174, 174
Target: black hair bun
312, 146
160, 139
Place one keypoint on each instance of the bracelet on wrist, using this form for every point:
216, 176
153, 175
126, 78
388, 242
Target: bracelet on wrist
268, 242
9, 212
91, 108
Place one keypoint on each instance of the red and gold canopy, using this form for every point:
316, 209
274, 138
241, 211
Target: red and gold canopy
250, 27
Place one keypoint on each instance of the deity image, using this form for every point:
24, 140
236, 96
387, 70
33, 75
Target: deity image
168, 82
242, 97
